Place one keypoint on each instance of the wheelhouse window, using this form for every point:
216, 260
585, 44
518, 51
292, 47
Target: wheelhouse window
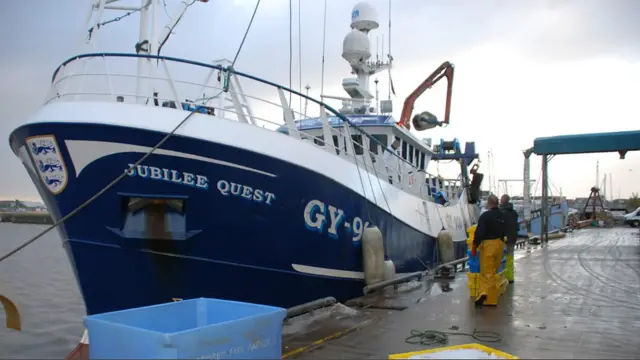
404, 149
374, 146
411, 154
357, 144
319, 140
336, 144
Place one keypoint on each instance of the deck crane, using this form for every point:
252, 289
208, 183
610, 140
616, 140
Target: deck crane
426, 120
447, 150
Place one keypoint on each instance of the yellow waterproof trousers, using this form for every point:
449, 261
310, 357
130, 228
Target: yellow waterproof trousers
509, 271
491, 252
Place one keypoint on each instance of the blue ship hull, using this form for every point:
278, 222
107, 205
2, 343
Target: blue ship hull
225, 242
557, 221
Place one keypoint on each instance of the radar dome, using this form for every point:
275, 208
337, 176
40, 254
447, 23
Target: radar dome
364, 17
355, 47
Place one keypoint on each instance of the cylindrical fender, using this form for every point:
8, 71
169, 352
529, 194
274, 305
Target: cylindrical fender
373, 255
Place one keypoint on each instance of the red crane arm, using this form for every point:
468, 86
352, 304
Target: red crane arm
444, 70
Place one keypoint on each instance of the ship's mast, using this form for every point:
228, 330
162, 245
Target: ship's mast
356, 51
597, 174
148, 40
144, 46
526, 190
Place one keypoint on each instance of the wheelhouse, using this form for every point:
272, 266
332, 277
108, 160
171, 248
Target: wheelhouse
382, 128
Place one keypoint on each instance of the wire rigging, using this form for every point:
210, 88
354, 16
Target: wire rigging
117, 18
290, 48
324, 42
166, 38
235, 58
299, 55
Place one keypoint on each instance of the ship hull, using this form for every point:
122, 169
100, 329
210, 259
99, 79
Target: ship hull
248, 226
557, 221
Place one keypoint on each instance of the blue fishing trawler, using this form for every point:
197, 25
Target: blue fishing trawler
175, 189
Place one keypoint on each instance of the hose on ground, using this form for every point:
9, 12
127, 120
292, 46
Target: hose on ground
432, 337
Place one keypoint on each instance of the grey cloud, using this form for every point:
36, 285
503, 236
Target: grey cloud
567, 30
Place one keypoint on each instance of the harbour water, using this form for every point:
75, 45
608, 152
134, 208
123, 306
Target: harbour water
40, 280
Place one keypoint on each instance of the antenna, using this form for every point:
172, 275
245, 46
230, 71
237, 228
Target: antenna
324, 42
290, 52
306, 100
389, 50
377, 97
610, 187
299, 55
382, 52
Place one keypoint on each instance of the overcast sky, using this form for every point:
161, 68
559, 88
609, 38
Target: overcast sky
524, 69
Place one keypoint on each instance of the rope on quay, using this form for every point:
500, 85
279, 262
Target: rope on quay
432, 337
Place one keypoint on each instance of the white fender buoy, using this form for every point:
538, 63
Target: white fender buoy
445, 245
373, 255
389, 270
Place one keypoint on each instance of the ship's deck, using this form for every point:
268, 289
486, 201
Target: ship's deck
577, 298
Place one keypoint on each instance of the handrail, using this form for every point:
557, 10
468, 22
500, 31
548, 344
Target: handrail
229, 71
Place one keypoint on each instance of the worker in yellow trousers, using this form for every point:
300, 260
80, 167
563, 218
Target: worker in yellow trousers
489, 240
511, 233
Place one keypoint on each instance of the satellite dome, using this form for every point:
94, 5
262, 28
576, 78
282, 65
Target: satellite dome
364, 17
355, 47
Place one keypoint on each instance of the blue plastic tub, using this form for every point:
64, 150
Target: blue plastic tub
191, 329
473, 264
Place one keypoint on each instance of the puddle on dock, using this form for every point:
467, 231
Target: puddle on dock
313, 329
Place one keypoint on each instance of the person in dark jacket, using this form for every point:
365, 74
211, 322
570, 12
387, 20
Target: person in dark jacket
510, 232
489, 239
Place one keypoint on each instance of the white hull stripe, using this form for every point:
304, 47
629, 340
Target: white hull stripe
343, 274
84, 152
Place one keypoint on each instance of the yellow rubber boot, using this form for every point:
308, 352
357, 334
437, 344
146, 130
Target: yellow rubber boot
509, 269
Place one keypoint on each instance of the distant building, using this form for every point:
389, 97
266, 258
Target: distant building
34, 206
20, 206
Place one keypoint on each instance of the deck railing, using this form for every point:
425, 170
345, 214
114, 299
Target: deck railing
176, 83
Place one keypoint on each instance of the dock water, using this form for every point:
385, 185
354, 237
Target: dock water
577, 297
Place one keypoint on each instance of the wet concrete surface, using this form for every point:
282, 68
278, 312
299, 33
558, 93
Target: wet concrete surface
578, 297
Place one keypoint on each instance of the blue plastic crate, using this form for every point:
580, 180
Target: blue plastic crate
198, 328
473, 264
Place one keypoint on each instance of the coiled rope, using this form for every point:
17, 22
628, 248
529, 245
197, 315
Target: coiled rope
433, 337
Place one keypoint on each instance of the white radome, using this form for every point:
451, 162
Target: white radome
356, 47
364, 17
